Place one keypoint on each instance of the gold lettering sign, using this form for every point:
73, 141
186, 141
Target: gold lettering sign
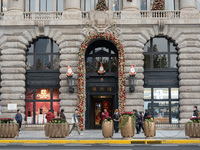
109, 89
101, 88
94, 89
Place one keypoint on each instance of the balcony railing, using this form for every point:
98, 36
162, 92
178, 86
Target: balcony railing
42, 15
1, 15
117, 14
160, 14
85, 14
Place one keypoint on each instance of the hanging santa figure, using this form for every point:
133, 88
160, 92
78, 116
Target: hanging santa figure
101, 69
132, 71
70, 73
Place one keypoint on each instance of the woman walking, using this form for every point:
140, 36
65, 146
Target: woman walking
116, 120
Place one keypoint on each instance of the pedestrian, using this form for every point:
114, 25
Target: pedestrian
146, 114
75, 121
195, 111
18, 118
105, 114
116, 120
141, 124
137, 121
49, 116
62, 115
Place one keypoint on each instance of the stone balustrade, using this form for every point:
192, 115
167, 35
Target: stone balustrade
160, 14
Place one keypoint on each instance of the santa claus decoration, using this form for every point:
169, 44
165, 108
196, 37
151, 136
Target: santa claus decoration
101, 69
70, 73
132, 71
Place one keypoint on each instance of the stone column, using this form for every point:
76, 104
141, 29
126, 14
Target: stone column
72, 9
134, 5
188, 4
13, 74
189, 9
189, 76
15, 9
72, 5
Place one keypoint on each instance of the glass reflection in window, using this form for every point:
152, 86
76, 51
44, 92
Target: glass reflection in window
160, 93
147, 93
56, 62
56, 94
43, 62
147, 105
160, 45
174, 93
43, 46
29, 63
115, 5
4, 7
143, 4
114, 64
29, 94
147, 61
43, 94
59, 5
49, 5
41, 108
32, 5
161, 111
29, 112
175, 111
173, 61
43, 6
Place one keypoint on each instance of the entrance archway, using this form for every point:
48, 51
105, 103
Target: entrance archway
81, 71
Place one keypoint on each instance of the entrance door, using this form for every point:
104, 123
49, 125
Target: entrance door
99, 103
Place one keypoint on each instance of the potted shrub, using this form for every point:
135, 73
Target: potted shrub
192, 128
57, 128
127, 124
8, 129
107, 127
149, 127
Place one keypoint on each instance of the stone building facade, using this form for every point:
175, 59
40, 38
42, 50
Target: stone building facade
68, 29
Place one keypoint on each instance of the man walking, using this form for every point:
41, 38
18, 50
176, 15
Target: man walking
75, 122
18, 118
137, 120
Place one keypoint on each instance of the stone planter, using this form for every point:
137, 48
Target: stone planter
192, 130
9, 130
149, 129
107, 129
57, 130
128, 130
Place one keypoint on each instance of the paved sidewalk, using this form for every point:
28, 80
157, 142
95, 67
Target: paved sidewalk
97, 135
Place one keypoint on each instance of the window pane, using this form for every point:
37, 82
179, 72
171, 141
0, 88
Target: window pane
29, 112
49, 5
143, 4
147, 62
56, 48
43, 62
87, 5
32, 6
115, 5
4, 6
56, 94
56, 108
29, 63
147, 105
161, 111
43, 5
164, 61
160, 93
172, 47
30, 49
160, 45
147, 93
29, 94
156, 61
174, 93
43, 94
43, 46
198, 4
59, 5
89, 64
41, 108
170, 4
147, 47
56, 61
175, 112
173, 61
114, 64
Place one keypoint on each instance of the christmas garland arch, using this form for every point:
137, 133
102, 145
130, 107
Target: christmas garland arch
81, 71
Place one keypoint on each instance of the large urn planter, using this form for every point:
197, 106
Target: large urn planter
149, 129
192, 130
8, 129
107, 128
127, 125
56, 129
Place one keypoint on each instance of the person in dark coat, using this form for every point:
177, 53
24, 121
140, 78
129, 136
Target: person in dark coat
137, 121
141, 124
146, 114
49, 116
116, 120
62, 115
195, 111
18, 118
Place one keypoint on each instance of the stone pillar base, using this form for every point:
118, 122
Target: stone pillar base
130, 14
190, 13
71, 15
14, 14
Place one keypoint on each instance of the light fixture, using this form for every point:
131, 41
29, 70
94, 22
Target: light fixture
70, 79
132, 79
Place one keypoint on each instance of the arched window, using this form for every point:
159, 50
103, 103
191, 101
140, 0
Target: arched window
3, 4
160, 53
43, 54
161, 84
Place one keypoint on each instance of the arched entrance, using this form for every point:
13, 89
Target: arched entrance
112, 88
